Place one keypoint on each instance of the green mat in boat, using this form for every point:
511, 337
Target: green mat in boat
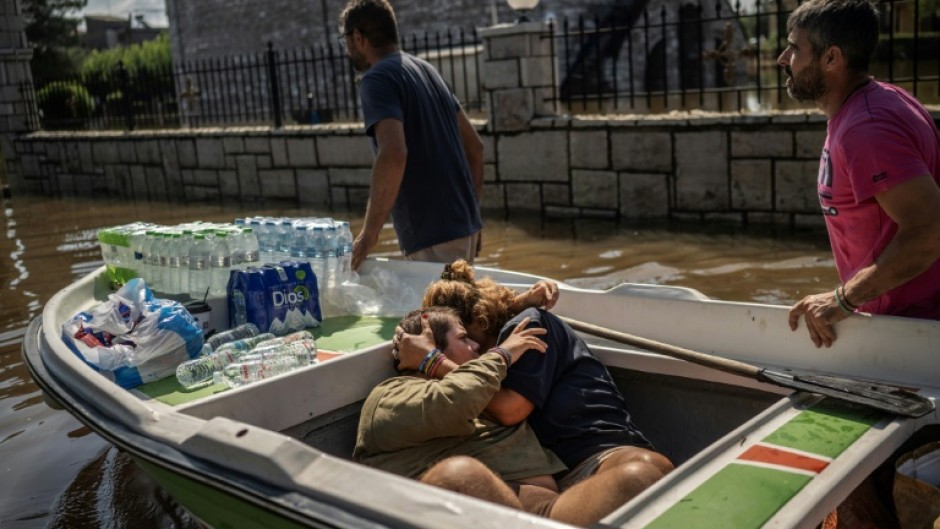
346, 333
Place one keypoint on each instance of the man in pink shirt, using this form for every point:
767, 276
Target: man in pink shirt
878, 175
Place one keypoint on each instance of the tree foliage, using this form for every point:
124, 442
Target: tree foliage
150, 56
53, 36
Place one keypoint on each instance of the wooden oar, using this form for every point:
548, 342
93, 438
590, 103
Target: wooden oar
884, 398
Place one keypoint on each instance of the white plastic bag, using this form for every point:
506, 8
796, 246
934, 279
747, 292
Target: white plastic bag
378, 293
134, 338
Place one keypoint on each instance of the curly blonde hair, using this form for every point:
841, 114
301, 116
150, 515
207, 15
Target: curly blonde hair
484, 302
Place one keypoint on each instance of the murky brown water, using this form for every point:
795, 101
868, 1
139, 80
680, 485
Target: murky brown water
55, 473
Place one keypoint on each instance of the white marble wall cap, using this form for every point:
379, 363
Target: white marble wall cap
504, 30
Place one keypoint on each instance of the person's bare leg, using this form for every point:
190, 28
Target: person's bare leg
599, 495
468, 476
619, 478
536, 499
634, 454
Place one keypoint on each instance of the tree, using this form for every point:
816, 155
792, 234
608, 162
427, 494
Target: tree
53, 36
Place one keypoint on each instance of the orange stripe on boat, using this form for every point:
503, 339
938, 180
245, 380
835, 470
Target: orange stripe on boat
782, 457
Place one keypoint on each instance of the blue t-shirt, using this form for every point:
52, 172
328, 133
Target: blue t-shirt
437, 201
578, 409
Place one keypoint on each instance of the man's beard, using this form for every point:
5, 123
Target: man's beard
358, 61
809, 86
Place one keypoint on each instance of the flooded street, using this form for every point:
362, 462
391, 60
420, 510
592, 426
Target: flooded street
54, 472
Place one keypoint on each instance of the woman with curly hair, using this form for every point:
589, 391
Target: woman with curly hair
566, 395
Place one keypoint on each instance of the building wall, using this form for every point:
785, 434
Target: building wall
738, 168
201, 29
14, 71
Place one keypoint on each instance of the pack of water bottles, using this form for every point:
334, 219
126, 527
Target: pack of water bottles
322, 241
279, 298
192, 259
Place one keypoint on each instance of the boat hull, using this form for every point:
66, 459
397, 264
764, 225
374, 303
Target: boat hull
275, 454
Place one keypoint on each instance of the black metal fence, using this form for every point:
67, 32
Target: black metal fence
715, 55
303, 86
684, 55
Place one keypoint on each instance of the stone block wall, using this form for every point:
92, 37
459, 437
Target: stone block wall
738, 168
745, 169
322, 166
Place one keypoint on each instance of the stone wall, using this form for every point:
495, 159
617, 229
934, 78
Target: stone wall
14, 71
737, 168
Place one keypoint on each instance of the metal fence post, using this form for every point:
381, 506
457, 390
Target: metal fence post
275, 86
124, 83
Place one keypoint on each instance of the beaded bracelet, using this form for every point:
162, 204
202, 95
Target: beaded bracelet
424, 362
434, 364
841, 302
845, 299
507, 356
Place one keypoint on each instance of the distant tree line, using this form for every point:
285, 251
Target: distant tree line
75, 84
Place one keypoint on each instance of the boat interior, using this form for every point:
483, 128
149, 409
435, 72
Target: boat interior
687, 411
681, 413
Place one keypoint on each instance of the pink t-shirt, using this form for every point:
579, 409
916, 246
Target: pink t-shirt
880, 138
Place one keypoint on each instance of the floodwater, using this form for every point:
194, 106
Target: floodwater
54, 472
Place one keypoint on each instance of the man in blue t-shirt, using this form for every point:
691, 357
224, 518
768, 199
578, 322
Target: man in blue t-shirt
428, 168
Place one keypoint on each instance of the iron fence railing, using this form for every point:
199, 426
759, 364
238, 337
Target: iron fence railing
316, 84
715, 55
682, 55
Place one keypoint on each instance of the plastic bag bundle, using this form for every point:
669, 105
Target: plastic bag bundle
134, 338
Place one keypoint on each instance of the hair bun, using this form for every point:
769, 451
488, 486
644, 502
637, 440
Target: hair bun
459, 270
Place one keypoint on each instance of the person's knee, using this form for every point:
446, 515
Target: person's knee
635, 476
632, 454
457, 471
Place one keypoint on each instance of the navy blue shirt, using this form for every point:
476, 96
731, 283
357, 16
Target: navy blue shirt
578, 409
437, 201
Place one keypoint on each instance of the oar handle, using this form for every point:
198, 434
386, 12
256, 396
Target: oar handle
723, 364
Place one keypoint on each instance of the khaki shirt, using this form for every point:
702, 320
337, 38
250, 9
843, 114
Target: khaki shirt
409, 423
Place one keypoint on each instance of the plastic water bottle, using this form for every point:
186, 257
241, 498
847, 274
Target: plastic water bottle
275, 342
268, 241
236, 248
146, 250
316, 254
220, 262
330, 257
285, 237
246, 330
185, 245
138, 238
199, 266
298, 246
345, 237
245, 344
171, 283
199, 371
253, 368
160, 261
250, 249
257, 227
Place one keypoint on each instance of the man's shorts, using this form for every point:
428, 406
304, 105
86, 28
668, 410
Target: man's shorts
448, 252
584, 470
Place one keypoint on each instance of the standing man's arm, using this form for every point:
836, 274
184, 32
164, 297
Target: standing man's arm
473, 147
915, 206
387, 174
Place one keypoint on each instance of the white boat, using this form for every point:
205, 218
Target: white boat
749, 454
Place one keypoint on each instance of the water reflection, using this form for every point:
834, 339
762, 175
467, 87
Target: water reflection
54, 472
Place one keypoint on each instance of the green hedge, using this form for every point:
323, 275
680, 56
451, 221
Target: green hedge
64, 105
